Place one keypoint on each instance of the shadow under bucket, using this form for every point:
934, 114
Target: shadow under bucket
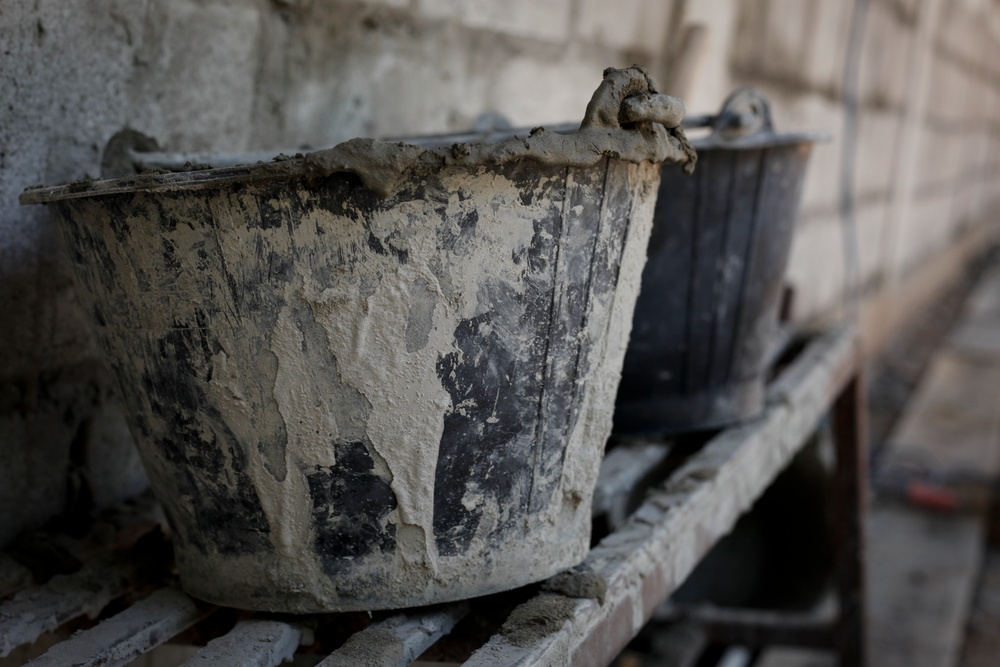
379, 375
707, 312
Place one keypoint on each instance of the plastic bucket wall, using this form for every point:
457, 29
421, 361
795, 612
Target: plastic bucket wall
347, 402
707, 311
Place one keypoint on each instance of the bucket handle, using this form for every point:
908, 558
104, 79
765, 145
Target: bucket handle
651, 107
745, 112
627, 97
666, 110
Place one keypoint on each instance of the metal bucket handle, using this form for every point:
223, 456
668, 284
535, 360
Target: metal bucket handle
745, 112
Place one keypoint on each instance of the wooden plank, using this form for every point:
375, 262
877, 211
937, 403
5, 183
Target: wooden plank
982, 642
622, 468
758, 627
651, 555
985, 298
398, 640
977, 337
952, 422
123, 637
978, 331
922, 567
921, 571
781, 656
255, 643
33, 612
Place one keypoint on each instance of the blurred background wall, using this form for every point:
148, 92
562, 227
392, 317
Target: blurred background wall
908, 89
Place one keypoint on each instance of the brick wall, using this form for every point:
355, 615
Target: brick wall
245, 74
923, 170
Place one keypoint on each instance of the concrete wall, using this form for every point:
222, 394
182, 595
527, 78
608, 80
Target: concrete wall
246, 74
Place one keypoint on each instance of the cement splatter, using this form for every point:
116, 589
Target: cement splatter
578, 584
537, 618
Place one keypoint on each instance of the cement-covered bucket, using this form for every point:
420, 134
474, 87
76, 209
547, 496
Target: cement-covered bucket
379, 375
708, 309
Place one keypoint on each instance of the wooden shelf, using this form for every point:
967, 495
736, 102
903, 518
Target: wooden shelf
581, 617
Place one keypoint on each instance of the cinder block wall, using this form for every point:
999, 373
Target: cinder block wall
920, 161
248, 74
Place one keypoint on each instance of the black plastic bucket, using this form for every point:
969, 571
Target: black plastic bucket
708, 305
379, 375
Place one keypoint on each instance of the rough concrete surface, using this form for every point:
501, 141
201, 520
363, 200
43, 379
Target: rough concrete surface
537, 618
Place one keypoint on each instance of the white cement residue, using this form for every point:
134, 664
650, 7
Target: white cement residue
368, 336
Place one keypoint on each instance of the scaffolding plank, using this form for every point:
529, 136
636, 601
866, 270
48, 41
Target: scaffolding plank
982, 642
30, 613
922, 566
921, 575
782, 656
758, 627
622, 468
398, 640
650, 556
951, 423
254, 643
123, 637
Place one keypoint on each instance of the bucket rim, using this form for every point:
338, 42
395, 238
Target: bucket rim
299, 166
159, 181
278, 166
626, 119
759, 140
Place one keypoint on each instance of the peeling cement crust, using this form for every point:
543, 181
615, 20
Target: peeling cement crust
350, 401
